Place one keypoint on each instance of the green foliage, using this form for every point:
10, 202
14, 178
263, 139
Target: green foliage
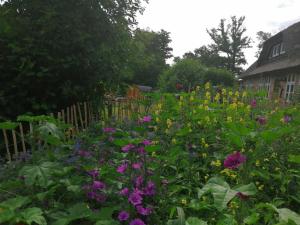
219, 77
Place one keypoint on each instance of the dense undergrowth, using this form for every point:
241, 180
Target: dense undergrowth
208, 157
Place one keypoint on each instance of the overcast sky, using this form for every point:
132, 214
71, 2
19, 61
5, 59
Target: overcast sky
187, 20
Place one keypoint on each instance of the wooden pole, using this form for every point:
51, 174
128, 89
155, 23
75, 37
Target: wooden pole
85, 115
75, 117
80, 116
68, 115
15, 142
59, 115
72, 116
22, 137
6, 145
63, 115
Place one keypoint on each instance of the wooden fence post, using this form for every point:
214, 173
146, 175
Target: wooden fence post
15, 142
80, 115
68, 115
85, 115
63, 115
22, 137
75, 117
6, 145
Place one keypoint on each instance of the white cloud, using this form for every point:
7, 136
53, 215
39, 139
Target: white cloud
187, 20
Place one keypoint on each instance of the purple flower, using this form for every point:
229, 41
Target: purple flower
84, 154
128, 147
147, 142
135, 198
150, 189
253, 103
146, 119
137, 222
261, 120
141, 150
111, 139
242, 196
234, 160
124, 192
287, 119
98, 185
139, 181
93, 173
143, 211
100, 198
137, 166
109, 130
123, 216
122, 168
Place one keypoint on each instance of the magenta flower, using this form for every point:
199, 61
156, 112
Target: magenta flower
234, 160
124, 192
261, 120
141, 150
147, 142
128, 147
99, 197
253, 103
84, 154
139, 181
137, 222
146, 119
109, 130
143, 211
98, 185
287, 119
137, 166
111, 139
93, 173
135, 198
123, 216
150, 189
122, 168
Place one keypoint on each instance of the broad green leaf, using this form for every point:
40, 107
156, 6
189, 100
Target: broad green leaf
286, 215
15, 203
249, 189
252, 219
39, 175
33, 215
195, 221
107, 222
227, 220
294, 158
152, 148
121, 142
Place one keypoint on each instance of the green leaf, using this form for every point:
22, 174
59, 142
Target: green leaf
252, 219
107, 222
15, 203
294, 158
195, 221
8, 125
227, 220
121, 142
286, 215
33, 215
152, 148
39, 175
249, 189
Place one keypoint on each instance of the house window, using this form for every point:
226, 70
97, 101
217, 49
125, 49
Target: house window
277, 50
290, 87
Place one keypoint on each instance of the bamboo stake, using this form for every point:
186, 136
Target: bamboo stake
22, 137
63, 115
6, 145
75, 117
15, 142
68, 115
72, 116
85, 115
59, 115
80, 115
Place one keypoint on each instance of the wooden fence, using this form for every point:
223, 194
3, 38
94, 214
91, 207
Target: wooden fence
79, 116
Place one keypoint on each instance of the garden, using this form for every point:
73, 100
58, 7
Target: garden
211, 156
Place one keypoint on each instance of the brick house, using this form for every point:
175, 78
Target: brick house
277, 69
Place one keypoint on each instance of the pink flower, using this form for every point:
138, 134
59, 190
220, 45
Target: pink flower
93, 173
287, 119
137, 222
84, 154
234, 160
147, 142
261, 120
98, 185
253, 103
137, 166
124, 192
122, 168
123, 216
128, 147
139, 181
141, 150
150, 189
143, 211
146, 119
135, 198
109, 130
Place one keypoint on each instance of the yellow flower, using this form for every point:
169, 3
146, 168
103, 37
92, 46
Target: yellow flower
157, 120
206, 145
159, 106
207, 95
237, 94
183, 201
153, 154
205, 102
233, 106
257, 163
229, 119
207, 119
206, 177
181, 98
169, 123
174, 141
230, 93
224, 91
192, 98
155, 128
261, 187
167, 131
204, 155
217, 97
216, 163
207, 86
241, 120
244, 94
198, 88
206, 108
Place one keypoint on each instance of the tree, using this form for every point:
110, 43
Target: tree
230, 39
261, 37
219, 77
54, 53
186, 74
151, 50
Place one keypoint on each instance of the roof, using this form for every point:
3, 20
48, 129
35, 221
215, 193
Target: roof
291, 58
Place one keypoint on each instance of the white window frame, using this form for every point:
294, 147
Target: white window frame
290, 87
282, 48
